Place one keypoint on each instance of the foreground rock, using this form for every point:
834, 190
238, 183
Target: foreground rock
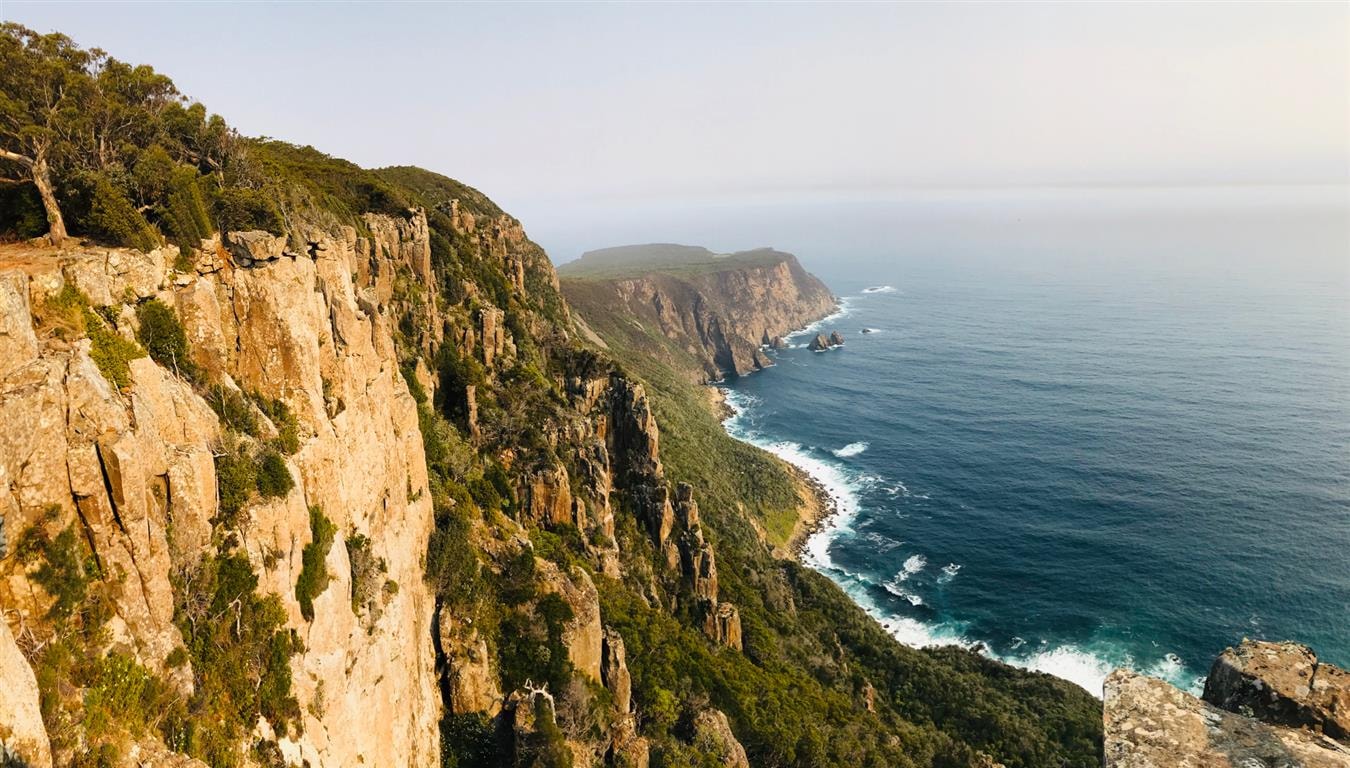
1267, 689
1282, 683
1150, 724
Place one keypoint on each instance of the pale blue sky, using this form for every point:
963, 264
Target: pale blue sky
582, 107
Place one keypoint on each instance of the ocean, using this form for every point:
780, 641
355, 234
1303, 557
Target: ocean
1077, 430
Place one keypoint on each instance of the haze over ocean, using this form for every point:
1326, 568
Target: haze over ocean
1087, 429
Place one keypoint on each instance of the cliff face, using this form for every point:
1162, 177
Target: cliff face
1265, 704
720, 310
365, 491
133, 471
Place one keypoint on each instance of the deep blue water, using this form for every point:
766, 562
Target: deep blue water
1082, 435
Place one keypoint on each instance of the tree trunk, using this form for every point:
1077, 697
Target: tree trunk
42, 179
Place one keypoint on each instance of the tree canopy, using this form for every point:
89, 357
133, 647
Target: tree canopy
111, 150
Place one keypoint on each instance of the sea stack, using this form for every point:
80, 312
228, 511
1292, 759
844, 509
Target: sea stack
821, 343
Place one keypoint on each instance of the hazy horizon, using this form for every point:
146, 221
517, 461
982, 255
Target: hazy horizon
573, 116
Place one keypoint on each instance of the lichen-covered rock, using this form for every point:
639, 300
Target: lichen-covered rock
1282, 683
627, 749
23, 737
255, 245
1150, 724
713, 735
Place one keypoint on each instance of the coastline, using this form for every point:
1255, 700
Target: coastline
815, 504
815, 507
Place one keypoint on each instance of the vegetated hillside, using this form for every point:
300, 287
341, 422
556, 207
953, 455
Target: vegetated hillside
302, 463
712, 316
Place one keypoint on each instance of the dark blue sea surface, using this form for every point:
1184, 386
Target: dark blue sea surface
1083, 436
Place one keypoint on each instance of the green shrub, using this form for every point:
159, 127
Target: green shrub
313, 573
241, 209
163, 338
236, 480
66, 568
452, 567
274, 477
234, 410
240, 650
288, 427
185, 213
110, 351
124, 695
470, 741
21, 213
115, 219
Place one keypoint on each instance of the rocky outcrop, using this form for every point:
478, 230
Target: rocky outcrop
1266, 704
1150, 724
470, 676
614, 672
546, 496
713, 735
132, 470
23, 737
1282, 683
248, 248
821, 342
720, 310
583, 635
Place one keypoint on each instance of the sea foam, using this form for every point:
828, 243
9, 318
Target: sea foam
1087, 668
852, 449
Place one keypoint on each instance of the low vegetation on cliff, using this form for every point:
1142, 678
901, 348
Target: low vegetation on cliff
589, 560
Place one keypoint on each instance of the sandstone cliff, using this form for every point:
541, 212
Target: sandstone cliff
719, 311
133, 469
347, 482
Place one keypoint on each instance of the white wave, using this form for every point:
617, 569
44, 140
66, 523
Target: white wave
949, 572
1086, 668
895, 589
1070, 663
870, 330
880, 289
913, 564
884, 543
852, 449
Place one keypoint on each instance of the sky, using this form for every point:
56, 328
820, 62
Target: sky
570, 114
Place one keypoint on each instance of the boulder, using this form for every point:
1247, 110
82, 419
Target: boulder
836, 339
1282, 683
819, 343
255, 245
1148, 723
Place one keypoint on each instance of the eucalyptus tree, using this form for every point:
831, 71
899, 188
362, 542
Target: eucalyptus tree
45, 89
